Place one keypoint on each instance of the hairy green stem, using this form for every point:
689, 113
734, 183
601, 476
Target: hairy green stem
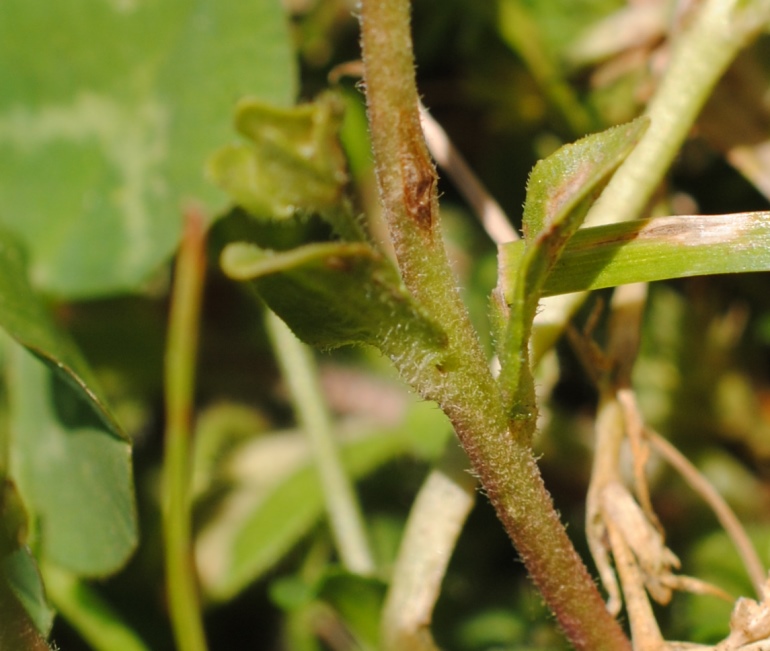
181, 355
299, 371
460, 381
700, 57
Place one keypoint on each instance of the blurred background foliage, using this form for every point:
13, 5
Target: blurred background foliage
510, 80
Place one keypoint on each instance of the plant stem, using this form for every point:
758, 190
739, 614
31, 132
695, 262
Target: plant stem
347, 525
181, 355
460, 381
451, 161
85, 610
699, 58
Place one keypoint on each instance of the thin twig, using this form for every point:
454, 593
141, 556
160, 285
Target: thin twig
609, 436
640, 451
612, 371
716, 502
644, 627
490, 214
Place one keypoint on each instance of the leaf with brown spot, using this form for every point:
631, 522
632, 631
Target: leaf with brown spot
646, 250
560, 191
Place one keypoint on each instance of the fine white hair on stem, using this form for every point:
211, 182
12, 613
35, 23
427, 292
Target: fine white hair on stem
492, 217
490, 213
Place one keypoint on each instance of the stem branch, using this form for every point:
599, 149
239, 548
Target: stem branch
460, 381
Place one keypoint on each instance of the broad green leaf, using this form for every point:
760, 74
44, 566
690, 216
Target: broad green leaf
332, 293
606, 35
74, 478
25, 318
292, 592
276, 497
296, 595
336, 293
661, 248
109, 111
560, 22
561, 188
503, 628
19, 575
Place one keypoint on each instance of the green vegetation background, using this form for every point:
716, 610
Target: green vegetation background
703, 376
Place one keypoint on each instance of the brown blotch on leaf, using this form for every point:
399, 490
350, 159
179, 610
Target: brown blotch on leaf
566, 192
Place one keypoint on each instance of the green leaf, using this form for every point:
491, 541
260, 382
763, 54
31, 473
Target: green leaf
25, 318
560, 191
660, 248
352, 602
562, 187
294, 161
21, 573
277, 498
292, 592
74, 478
333, 293
560, 21
336, 293
219, 428
293, 165
241, 550
17, 631
108, 112
358, 600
